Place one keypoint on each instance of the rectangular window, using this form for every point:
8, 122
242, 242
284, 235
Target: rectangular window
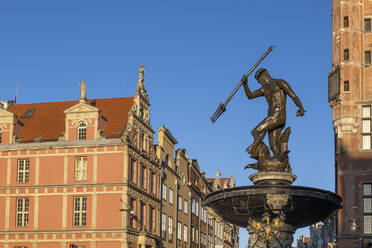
142, 213
367, 57
152, 226
197, 208
179, 203
367, 208
346, 54
179, 230
170, 229
22, 212
367, 25
131, 208
20, 246
163, 226
192, 205
346, 21
196, 236
170, 196
23, 170
366, 127
164, 191
185, 206
152, 182
346, 86
185, 233
143, 176
81, 168
132, 171
80, 211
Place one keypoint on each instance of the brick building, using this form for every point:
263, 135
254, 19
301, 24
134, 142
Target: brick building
86, 174
350, 96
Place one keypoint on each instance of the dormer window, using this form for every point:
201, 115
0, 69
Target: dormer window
82, 131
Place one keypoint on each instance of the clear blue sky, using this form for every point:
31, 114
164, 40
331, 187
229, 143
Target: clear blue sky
194, 53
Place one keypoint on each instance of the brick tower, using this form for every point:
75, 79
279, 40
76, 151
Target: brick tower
350, 97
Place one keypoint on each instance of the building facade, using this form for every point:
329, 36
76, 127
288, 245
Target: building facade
350, 97
87, 174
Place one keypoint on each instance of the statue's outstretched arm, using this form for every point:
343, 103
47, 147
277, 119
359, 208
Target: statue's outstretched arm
248, 91
288, 90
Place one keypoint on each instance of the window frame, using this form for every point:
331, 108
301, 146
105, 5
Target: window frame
367, 28
82, 130
23, 170
364, 212
346, 54
366, 134
80, 211
81, 173
22, 211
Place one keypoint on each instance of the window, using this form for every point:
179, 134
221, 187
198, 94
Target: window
192, 205
163, 226
131, 208
77, 246
185, 206
367, 208
179, 203
170, 196
143, 176
20, 246
152, 182
367, 25
367, 58
82, 131
196, 235
142, 140
185, 233
366, 127
23, 170
164, 191
22, 212
197, 208
346, 54
151, 219
132, 170
142, 213
81, 169
346, 21
179, 230
166, 160
1, 136
80, 211
346, 85
170, 229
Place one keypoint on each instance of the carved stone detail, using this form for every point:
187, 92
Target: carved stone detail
277, 202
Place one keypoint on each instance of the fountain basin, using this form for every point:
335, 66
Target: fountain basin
305, 205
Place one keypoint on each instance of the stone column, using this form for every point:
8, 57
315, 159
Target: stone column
283, 240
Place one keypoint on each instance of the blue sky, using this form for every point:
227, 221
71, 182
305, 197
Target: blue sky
194, 53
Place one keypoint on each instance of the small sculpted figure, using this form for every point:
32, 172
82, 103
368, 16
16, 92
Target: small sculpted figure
275, 91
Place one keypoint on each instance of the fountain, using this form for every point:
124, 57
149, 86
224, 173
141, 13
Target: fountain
272, 208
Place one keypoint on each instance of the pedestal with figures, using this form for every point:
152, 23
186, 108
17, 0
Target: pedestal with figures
272, 208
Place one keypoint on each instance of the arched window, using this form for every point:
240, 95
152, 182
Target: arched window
82, 131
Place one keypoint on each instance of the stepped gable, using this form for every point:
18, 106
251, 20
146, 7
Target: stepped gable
48, 119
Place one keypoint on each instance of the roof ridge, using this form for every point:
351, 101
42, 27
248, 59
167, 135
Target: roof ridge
89, 100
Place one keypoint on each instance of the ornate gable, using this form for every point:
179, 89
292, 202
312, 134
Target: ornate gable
84, 115
139, 133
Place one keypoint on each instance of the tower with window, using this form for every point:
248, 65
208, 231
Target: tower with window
350, 97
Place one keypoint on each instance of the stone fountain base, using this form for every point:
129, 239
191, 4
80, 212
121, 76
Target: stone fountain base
272, 212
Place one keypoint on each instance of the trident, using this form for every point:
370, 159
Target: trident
222, 107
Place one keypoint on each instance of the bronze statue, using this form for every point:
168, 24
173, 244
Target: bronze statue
275, 92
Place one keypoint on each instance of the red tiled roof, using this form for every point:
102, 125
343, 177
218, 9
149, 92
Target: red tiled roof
48, 120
